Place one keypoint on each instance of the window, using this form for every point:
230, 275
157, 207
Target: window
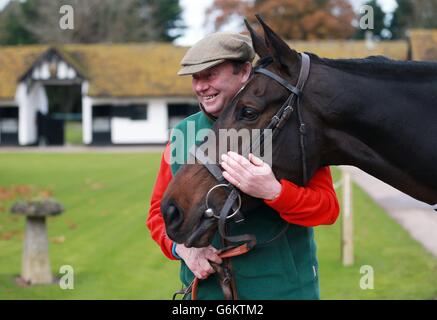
102, 118
139, 112
133, 112
9, 119
179, 111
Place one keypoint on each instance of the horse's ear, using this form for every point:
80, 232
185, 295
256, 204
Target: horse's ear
258, 43
281, 52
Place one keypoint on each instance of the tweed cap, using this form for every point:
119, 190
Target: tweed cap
215, 49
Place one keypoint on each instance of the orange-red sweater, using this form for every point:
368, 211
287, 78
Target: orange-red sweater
309, 206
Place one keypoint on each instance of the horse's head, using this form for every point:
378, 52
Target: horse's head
183, 206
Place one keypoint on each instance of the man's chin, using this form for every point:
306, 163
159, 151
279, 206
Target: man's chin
214, 110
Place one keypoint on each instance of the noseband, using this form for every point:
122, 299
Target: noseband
233, 201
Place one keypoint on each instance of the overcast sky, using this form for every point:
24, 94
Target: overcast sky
194, 16
2, 3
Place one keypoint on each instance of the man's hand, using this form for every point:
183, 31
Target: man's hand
198, 259
252, 176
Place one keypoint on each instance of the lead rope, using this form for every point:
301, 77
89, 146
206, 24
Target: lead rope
224, 253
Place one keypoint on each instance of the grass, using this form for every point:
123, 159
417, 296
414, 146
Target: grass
106, 241
102, 235
402, 268
73, 133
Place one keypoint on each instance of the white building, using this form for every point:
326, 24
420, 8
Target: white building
123, 94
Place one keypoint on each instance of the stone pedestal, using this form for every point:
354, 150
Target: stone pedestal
35, 268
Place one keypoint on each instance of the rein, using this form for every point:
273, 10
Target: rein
233, 201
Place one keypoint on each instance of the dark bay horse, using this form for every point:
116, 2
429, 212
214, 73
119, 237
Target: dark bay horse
376, 114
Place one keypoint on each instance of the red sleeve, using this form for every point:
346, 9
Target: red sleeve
155, 221
312, 205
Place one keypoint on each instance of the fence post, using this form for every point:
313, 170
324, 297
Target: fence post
347, 250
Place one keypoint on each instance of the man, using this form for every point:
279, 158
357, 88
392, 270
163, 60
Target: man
220, 65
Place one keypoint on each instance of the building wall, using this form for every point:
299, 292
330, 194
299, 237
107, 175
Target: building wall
152, 130
30, 100
86, 114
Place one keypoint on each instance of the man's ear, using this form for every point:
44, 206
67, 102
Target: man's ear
281, 52
257, 42
247, 71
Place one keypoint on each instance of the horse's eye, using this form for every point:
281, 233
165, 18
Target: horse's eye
249, 114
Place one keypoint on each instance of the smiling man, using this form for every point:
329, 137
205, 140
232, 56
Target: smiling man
214, 86
220, 65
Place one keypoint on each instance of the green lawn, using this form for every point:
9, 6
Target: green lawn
402, 268
103, 236
73, 133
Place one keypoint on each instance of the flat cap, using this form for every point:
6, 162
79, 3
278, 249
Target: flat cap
215, 49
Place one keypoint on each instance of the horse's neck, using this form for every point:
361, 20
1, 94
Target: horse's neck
386, 128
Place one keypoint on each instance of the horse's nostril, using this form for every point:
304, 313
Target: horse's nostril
172, 211
174, 217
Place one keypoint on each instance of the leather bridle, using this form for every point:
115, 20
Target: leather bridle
233, 201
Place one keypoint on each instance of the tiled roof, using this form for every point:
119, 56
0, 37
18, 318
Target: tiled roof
116, 70
132, 70
14, 61
138, 70
424, 44
337, 49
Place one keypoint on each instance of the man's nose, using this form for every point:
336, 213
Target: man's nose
200, 85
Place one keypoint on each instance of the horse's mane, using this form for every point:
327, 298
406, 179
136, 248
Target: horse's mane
374, 65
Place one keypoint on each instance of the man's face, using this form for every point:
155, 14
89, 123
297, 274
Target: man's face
216, 86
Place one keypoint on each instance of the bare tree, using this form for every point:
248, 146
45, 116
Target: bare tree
102, 20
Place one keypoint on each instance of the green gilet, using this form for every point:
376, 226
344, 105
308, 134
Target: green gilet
287, 268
